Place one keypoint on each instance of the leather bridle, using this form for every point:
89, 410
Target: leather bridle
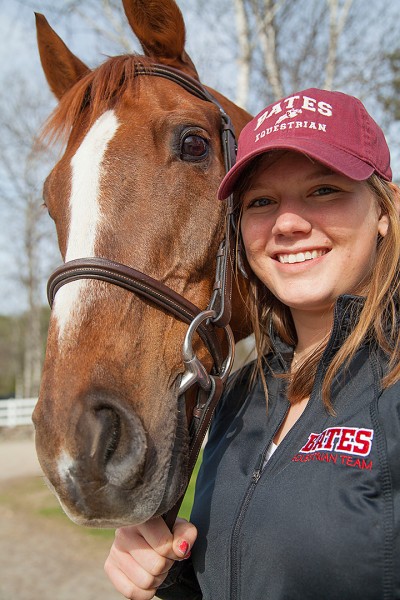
205, 322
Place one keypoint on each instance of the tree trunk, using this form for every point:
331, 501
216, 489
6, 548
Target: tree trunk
244, 58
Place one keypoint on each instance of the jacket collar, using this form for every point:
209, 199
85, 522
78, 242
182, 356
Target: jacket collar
346, 315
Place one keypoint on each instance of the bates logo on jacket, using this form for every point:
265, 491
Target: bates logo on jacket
342, 445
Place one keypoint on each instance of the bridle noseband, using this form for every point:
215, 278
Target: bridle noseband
205, 322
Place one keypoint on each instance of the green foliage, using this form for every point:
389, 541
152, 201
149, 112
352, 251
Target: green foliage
12, 332
9, 354
189, 496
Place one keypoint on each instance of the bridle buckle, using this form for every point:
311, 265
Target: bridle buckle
195, 371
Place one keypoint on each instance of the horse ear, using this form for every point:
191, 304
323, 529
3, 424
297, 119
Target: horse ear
160, 28
61, 68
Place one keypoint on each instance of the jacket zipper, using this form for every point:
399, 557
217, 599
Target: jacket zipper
234, 541
255, 477
246, 501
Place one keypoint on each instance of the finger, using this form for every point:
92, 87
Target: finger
185, 535
157, 535
129, 547
135, 572
125, 586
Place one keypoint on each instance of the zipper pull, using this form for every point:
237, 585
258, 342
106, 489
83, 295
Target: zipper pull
257, 471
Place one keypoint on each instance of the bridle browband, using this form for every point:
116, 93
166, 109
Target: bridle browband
205, 322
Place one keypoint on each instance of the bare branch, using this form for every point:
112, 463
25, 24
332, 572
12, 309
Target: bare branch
267, 33
337, 21
244, 58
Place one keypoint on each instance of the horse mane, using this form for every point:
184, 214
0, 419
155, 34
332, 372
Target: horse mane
95, 93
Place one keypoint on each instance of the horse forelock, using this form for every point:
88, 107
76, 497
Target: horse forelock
92, 95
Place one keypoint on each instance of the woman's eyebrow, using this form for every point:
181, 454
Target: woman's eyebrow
321, 172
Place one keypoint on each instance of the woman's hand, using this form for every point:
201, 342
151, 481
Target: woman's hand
142, 555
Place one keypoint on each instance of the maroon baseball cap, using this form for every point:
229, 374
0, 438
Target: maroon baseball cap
330, 127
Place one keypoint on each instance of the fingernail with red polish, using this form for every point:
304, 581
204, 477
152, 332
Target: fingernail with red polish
183, 547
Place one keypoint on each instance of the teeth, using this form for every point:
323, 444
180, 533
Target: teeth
300, 256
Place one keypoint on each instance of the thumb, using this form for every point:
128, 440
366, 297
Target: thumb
185, 535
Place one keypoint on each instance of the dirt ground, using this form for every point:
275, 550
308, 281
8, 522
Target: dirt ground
43, 556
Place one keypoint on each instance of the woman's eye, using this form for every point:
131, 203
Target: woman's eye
259, 202
194, 147
324, 190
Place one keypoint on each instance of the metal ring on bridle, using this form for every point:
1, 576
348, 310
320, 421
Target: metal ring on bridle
195, 371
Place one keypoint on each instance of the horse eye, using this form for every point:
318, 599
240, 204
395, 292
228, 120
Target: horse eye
193, 147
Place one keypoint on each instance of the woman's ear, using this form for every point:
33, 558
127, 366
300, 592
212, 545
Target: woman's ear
383, 223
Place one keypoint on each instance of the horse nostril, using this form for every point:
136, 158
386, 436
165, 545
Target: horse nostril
110, 444
106, 433
99, 427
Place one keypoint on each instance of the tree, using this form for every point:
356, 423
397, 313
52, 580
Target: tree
333, 44
390, 97
253, 49
29, 232
9, 356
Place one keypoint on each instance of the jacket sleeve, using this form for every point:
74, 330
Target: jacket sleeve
180, 583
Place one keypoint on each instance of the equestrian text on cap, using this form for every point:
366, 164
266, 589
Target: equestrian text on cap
331, 127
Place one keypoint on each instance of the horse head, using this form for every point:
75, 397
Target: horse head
136, 185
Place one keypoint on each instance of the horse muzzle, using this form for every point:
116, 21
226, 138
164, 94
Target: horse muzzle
100, 465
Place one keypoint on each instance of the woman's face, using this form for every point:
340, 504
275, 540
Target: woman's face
310, 234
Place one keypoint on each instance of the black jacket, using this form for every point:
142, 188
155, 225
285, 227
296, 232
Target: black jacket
322, 519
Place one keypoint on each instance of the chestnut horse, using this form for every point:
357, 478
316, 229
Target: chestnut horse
136, 185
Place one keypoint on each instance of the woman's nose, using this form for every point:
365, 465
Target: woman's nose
290, 221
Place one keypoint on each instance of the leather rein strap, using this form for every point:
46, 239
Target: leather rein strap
205, 322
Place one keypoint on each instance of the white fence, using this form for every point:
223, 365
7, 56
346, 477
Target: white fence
16, 411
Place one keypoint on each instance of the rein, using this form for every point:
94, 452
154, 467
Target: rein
207, 322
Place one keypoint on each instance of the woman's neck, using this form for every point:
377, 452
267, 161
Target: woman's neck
313, 330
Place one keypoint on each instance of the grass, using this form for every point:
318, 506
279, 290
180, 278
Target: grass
187, 502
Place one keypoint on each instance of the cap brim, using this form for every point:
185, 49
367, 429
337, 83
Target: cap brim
334, 158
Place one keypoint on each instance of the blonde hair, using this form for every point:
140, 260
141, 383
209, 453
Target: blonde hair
378, 320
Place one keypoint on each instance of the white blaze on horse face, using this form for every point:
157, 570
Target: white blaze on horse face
87, 171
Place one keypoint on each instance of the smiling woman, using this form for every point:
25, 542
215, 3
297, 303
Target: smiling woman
280, 492
303, 226
324, 195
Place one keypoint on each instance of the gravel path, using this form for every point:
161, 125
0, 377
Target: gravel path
18, 459
43, 558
